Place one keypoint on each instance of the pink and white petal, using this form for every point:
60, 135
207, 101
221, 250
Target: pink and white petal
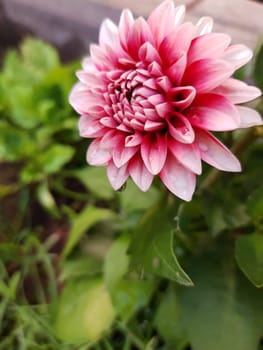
108, 33
177, 41
148, 53
206, 74
125, 24
211, 45
112, 138
84, 100
179, 180
204, 26
214, 112
100, 58
237, 55
249, 117
139, 173
162, 20
215, 153
138, 35
180, 129
133, 140
117, 176
182, 96
94, 80
121, 154
237, 91
88, 65
96, 155
186, 154
176, 71
90, 127
153, 152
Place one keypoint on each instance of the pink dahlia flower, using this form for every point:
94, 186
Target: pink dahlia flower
151, 92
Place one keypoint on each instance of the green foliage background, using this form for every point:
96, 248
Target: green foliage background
84, 267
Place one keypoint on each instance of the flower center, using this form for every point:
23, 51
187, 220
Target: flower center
143, 102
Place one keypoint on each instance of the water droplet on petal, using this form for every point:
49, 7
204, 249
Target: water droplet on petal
203, 147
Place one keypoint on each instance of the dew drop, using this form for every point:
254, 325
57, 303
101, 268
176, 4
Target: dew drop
203, 147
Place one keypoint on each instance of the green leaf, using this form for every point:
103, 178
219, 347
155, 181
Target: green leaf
39, 56
190, 217
223, 311
258, 64
223, 211
116, 261
249, 256
83, 222
84, 311
84, 266
168, 315
55, 157
129, 296
152, 247
96, 181
144, 200
47, 200
14, 143
255, 204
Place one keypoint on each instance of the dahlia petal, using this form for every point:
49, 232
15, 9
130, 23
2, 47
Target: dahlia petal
125, 24
179, 180
91, 79
204, 26
90, 127
215, 153
153, 152
150, 83
96, 155
99, 58
214, 112
109, 122
164, 83
237, 55
177, 69
88, 65
117, 176
155, 69
121, 154
186, 154
139, 34
161, 20
133, 140
156, 99
249, 117
139, 173
151, 125
148, 53
108, 33
84, 100
237, 91
179, 14
177, 41
182, 97
163, 109
205, 75
111, 138
211, 45
180, 129
136, 124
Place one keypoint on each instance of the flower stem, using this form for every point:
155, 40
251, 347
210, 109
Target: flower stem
237, 148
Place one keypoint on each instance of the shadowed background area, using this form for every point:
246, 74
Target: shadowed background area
72, 25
